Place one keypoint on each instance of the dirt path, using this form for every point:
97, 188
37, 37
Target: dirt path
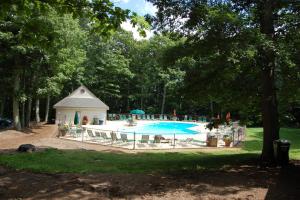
45, 136
244, 182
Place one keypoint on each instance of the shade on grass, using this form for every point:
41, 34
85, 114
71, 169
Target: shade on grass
82, 161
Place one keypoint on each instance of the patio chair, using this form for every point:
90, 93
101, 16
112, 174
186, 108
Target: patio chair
72, 132
187, 140
139, 117
185, 117
98, 135
157, 139
79, 132
161, 139
114, 137
165, 117
131, 122
152, 117
190, 118
200, 119
104, 136
161, 117
148, 117
143, 117
90, 134
145, 139
124, 137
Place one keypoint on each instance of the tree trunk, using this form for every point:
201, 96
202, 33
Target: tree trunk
23, 115
211, 108
269, 98
37, 110
2, 103
16, 110
163, 100
28, 113
142, 99
47, 108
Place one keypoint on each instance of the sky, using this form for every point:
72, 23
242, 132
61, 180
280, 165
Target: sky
141, 7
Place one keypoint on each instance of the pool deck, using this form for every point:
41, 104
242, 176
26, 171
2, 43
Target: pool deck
176, 141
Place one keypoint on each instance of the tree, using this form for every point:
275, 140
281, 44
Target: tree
24, 35
234, 42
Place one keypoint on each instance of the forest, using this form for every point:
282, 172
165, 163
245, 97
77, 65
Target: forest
206, 58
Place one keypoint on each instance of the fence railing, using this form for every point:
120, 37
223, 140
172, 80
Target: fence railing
139, 140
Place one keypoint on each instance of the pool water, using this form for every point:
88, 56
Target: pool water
166, 128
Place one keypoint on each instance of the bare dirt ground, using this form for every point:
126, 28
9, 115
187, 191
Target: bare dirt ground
240, 182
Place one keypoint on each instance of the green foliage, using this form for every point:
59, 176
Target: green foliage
223, 43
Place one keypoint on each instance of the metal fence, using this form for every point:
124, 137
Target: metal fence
138, 140
199, 118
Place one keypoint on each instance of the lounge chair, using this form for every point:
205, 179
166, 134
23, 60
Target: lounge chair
200, 119
152, 117
72, 132
187, 140
145, 139
138, 117
114, 137
161, 139
165, 117
190, 118
90, 134
79, 132
131, 122
148, 117
161, 117
124, 137
143, 117
185, 117
104, 136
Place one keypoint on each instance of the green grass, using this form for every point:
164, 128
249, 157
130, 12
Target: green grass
81, 161
253, 143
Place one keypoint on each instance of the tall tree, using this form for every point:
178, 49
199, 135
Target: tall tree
228, 39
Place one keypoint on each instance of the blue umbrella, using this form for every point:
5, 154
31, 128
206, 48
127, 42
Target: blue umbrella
137, 112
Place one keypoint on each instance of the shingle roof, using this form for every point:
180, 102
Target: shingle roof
74, 100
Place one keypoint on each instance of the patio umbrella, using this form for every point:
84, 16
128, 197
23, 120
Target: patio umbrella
76, 118
137, 112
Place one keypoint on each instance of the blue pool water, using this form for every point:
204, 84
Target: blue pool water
166, 128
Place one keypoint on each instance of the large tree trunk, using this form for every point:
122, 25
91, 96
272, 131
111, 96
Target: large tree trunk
37, 110
23, 115
28, 113
16, 110
2, 103
142, 98
211, 108
269, 99
163, 100
47, 108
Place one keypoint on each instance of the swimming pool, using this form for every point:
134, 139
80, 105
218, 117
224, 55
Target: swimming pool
165, 128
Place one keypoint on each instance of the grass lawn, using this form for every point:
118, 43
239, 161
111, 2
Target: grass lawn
81, 161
